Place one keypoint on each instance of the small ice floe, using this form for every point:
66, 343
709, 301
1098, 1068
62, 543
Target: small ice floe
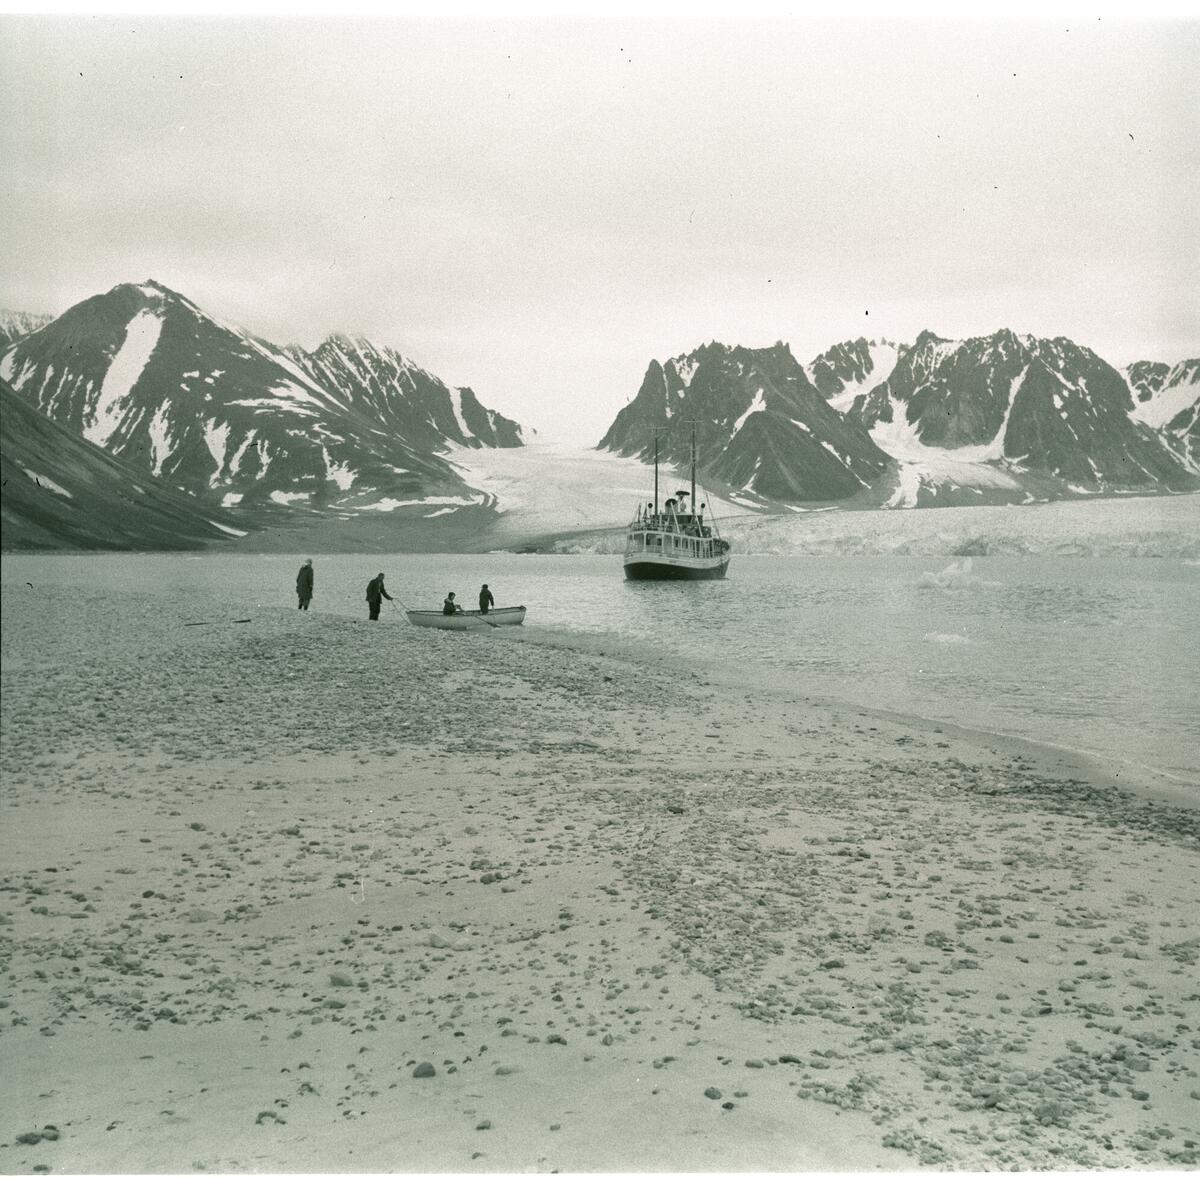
959, 574
949, 639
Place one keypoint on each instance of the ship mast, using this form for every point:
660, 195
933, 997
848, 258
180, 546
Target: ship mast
694, 466
656, 472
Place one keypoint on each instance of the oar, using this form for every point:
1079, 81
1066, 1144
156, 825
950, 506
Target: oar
478, 617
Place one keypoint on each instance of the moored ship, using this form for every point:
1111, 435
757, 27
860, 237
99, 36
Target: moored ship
673, 542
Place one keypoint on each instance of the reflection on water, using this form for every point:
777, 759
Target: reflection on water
1099, 654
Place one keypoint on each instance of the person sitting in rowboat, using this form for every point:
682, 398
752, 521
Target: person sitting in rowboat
449, 608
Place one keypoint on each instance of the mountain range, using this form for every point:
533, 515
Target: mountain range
205, 418
146, 375
996, 419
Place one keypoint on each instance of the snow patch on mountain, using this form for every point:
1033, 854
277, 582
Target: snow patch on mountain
390, 503
235, 463
883, 356
229, 529
962, 464
161, 444
974, 466
216, 438
758, 404
46, 482
1164, 407
141, 336
339, 473
995, 448
685, 368
6, 371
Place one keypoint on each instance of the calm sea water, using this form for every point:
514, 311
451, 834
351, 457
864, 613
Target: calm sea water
1101, 655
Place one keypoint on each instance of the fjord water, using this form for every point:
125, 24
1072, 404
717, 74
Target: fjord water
1099, 655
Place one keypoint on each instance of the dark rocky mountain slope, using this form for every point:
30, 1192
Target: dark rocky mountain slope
61, 492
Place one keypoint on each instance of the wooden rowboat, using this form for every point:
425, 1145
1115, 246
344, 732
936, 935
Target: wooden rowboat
471, 618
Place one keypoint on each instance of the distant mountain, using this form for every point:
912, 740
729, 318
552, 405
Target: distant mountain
61, 492
1168, 399
996, 419
15, 325
761, 426
394, 390
1043, 416
144, 373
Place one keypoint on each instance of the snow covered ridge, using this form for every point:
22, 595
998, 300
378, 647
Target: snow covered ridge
1000, 419
16, 324
148, 376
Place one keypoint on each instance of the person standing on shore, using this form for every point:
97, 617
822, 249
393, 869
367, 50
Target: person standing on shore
304, 584
486, 600
376, 594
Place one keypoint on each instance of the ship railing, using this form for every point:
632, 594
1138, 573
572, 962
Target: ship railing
667, 543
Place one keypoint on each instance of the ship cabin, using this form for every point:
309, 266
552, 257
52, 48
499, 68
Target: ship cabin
673, 534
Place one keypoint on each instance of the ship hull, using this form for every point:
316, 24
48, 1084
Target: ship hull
663, 568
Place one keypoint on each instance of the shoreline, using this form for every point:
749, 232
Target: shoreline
1072, 761
1157, 525
264, 872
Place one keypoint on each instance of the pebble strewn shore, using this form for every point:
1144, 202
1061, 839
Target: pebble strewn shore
307, 893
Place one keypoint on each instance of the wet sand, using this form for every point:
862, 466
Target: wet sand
314, 894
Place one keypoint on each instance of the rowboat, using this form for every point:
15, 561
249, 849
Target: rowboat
470, 618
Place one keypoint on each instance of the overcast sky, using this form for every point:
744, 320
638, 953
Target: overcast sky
537, 209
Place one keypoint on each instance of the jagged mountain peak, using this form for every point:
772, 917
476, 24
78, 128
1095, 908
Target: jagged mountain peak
926, 336
144, 373
16, 323
997, 417
761, 426
1044, 407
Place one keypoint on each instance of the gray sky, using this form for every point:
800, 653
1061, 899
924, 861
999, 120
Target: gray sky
536, 209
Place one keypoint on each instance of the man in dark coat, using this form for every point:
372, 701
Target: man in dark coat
486, 600
376, 594
304, 584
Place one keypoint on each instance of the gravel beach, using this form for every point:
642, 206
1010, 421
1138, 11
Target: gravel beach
305, 893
